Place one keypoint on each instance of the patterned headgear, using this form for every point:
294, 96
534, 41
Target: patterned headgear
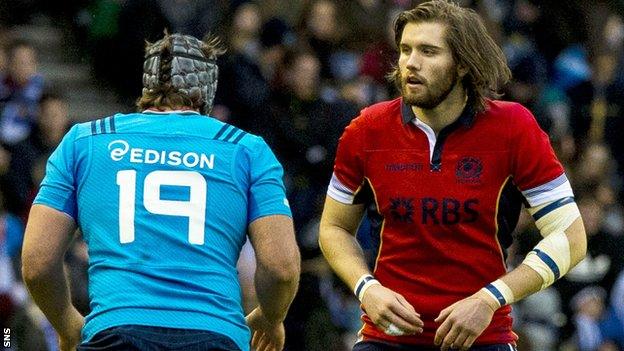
192, 73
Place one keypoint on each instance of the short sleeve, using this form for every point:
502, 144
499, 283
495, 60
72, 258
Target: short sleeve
267, 195
58, 188
348, 173
535, 168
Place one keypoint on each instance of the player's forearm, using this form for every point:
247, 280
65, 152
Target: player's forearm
275, 292
343, 253
525, 280
50, 291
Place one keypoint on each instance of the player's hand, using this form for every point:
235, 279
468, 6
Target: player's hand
69, 340
265, 335
463, 321
385, 308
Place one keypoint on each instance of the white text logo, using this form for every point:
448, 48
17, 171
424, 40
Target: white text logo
120, 148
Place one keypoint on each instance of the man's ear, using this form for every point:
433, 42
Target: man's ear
462, 71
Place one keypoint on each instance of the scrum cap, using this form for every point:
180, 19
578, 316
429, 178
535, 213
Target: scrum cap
191, 72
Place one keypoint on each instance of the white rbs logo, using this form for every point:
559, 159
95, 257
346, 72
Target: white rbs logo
119, 148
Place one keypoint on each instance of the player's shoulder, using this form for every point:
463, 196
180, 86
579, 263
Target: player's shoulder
378, 115
252, 142
104, 125
382, 111
509, 112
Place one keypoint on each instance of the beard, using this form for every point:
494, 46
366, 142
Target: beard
434, 91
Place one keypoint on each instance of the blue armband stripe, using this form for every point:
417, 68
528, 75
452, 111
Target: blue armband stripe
555, 205
549, 262
499, 296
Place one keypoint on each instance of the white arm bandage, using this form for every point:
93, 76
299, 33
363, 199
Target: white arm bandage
551, 256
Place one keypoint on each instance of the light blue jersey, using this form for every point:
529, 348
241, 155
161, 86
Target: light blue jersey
164, 201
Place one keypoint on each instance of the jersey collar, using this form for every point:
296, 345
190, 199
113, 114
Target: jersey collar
176, 112
466, 118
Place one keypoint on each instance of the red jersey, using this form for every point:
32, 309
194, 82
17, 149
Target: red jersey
445, 206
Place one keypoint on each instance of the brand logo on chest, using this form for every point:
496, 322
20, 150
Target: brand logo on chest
402, 209
469, 170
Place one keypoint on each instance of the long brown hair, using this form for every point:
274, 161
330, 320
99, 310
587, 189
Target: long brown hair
470, 44
166, 95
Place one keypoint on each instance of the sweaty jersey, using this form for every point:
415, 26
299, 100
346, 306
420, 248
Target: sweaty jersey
164, 201
443, 207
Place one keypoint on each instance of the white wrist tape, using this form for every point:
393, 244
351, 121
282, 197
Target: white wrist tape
365, 282
550, 258
500, 292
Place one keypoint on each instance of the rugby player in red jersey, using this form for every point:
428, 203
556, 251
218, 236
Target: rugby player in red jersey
443, 172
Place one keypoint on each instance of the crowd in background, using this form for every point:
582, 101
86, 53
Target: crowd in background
296, 73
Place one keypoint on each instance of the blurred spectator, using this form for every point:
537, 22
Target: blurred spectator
20, 90
3, 57
594, 167
102, 37
12, 292
589, 317
14, 301
50, 127
77, 263
194, 17
243, 88
604, 259
305, 130
528, 68
319, 28
540, 315
369, 17
572, 74
615, 327
380, 55
588, 306
139, 20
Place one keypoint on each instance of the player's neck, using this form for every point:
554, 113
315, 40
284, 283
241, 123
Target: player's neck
447, 112
172, 108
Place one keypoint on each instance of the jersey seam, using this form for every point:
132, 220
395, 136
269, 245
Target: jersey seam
232, 170
87, 168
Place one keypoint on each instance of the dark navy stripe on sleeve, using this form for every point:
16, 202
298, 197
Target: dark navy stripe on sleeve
239, 137
103, 126
93, 128
549, 262
230, 134
221, 131
555, 205
112, 124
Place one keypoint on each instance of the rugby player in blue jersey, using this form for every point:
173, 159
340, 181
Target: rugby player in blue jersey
165, 199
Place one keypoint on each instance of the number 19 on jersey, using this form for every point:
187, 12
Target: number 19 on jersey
194, 208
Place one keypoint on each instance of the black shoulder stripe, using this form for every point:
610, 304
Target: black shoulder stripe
239, 137
221, 131
93, 128
103, 126
230, 134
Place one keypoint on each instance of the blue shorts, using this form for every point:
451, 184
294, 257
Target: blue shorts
147, 338
382, 346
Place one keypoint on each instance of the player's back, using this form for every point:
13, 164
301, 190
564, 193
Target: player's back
163, 203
